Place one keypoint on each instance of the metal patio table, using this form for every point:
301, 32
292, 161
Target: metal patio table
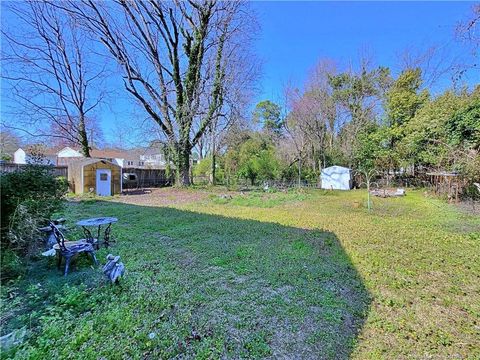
98, 222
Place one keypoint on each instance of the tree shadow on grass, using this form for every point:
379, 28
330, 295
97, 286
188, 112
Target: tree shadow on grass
201, 285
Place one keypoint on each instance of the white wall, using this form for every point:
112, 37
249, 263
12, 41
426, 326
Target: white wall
336, 178
20, 157
118, 161
69, 152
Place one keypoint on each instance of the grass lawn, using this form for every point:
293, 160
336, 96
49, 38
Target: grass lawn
283, 275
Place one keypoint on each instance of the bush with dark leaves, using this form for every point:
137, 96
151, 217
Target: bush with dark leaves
29, 197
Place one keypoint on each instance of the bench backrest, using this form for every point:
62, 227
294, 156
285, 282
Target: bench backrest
58, 236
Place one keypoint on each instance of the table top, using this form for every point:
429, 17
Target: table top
97, 221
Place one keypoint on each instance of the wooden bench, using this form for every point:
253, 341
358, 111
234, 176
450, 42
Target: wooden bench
69, 249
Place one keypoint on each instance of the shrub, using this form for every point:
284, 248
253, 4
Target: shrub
203, 170
28, 199
12, 265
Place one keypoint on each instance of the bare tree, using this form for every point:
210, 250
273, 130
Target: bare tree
437, 62
312, 118
296, 137
369, 174
49, 70
9, 143
63, 133
174, 57
468, 31
241, 74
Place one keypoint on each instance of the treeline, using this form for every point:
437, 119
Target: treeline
191, 70
366, 120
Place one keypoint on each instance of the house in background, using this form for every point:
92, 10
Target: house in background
46, 156
153, 158
31, 154
66, 155
123, 158
150, 158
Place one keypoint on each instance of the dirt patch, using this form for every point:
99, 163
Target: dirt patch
162, 197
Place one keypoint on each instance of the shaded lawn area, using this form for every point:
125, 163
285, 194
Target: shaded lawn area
297, 275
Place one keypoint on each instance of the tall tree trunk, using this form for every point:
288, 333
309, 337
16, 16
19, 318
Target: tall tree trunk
183, 164
319, 179
213, 170
214, 158
191, 174
82, 132
299, 172
368, 194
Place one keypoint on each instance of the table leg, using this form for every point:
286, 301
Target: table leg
106, 236
59, 259
67, 264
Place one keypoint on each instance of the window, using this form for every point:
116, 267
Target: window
103, 177
130, 163
140, 163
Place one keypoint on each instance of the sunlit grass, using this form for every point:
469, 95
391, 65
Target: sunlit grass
300, 274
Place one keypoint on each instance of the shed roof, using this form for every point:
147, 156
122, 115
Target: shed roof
88, 161
108, 153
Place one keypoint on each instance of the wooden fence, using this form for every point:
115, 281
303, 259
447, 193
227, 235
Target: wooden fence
147, 178
56, 170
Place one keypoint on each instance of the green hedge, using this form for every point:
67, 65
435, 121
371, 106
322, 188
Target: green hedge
29, 197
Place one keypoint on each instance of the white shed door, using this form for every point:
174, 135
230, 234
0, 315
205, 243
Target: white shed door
104, 182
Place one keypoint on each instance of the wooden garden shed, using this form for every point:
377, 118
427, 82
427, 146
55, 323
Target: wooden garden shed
97, 176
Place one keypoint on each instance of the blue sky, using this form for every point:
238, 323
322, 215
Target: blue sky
295, 35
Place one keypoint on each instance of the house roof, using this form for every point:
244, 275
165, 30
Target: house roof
112, 154
69, 150
94, 153
151, 150
42, 149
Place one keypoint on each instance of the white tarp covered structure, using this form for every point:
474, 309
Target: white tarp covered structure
336, 178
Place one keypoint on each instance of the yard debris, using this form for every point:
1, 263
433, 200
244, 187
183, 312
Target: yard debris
384, 193
477, 185
113, 269
50, 252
